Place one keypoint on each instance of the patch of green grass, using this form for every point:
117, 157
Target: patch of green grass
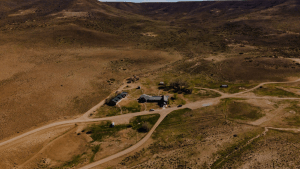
100, 131
177, 101
104, 129
293, 120
131, 107
234, 109
75, 161
198, 94
95, 150
272, 90
232, 87
206, 81
174, 117
106, 110
243, 111
138, 121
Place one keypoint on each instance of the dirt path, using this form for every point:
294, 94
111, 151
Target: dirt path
247, 143
163, 112
285, 129
269, 116
132, 148
92, 110
261, 84
43, 149
214, 90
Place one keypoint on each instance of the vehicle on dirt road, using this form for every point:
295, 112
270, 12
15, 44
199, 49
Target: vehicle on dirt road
151, 110
179, 105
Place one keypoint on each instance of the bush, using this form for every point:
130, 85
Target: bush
175, 96
145, 127
99, 132
109, 99
144, 123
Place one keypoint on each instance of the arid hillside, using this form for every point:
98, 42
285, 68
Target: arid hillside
57, 55
60, 58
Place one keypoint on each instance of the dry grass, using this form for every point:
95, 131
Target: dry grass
53, 83
55, 67
186, 136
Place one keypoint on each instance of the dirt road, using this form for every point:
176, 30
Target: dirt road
132, 148
163, 112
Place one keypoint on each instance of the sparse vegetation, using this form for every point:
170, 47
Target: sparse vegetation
144, 123
174, 117
200, 94
131, 107
236, 109
273, 90
293, 120
183, 131
294, 105
134, 93
177, 101
243, 111
232, 153
95, 150
106, 110
104, 129
75, 161
63, 57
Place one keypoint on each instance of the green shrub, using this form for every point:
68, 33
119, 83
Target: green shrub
75, 161
95, 149
99, 132
144, 123
272, 90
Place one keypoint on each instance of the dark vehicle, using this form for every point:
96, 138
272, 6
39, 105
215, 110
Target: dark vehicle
151, 110
112, 125
224, 86
179, 105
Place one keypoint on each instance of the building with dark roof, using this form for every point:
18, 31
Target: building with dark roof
224, 86
161, 100
117, 99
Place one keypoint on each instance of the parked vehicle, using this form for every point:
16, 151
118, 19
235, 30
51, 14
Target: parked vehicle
112, 124
179, 105
151, 110
224, 86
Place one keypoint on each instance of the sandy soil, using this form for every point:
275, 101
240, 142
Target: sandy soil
56, 84
17, 153
163, 112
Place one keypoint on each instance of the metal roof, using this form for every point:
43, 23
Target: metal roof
119, 97
154, 98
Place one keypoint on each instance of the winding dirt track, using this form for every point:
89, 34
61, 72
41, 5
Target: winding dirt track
163, 113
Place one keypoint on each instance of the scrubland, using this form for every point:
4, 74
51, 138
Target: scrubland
60, 58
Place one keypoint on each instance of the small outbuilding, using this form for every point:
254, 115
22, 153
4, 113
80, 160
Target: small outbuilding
224, 86
118, 98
